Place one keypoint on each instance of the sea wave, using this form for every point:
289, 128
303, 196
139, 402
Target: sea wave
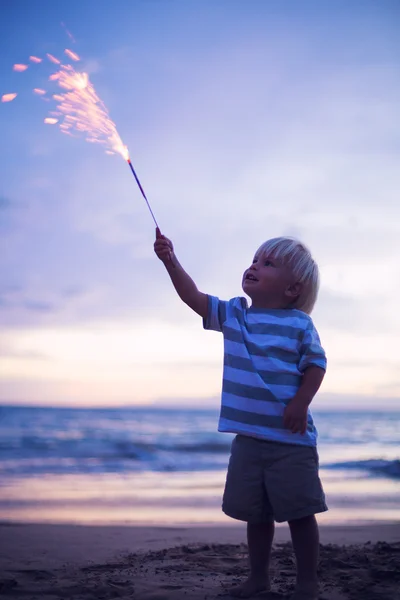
36, 441
374, 466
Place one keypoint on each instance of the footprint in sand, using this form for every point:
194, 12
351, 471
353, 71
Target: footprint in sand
171, 587
35, 574
159, 594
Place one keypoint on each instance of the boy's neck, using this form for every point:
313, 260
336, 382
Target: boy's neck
268, 305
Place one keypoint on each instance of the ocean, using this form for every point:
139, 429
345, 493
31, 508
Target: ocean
150, 465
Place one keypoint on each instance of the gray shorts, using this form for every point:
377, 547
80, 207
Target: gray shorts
272, 481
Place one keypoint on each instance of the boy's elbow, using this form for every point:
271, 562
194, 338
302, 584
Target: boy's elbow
199, 304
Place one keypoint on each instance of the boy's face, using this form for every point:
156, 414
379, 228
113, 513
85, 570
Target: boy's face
269, 283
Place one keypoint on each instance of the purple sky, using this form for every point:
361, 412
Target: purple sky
245, 120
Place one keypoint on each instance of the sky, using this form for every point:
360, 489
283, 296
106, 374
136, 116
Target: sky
245, 120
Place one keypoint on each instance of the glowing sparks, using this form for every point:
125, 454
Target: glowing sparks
79, 110
20, 68
53, 59
71, 55
84, 113
8, 97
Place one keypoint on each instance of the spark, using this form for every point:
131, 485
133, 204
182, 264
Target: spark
53, 59
50, 121
72, 55
69, 34
39, 91
35, 59
8, 97
20, 68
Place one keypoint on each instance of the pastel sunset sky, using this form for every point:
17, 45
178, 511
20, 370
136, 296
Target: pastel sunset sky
245, 120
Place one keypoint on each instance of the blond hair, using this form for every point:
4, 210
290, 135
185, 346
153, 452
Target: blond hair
295, 255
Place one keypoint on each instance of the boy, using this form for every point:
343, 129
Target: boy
273, 366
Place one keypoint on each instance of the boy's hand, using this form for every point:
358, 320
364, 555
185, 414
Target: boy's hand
163, 247
295, 416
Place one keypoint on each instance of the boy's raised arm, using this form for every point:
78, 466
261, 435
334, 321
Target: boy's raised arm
183, 283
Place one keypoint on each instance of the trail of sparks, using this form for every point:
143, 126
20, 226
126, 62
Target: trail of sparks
72, 55
53, 59
69, 34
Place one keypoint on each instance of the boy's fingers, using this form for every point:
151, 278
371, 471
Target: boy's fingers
162, 248
161, 240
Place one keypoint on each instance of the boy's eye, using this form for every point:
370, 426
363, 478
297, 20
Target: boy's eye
268, 263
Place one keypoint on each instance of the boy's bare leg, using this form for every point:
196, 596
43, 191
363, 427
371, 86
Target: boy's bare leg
259, 540
305, 539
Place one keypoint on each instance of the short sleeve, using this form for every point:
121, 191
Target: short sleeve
311, 351
219, 311
216, 313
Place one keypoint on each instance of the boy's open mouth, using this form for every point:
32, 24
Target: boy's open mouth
250, 277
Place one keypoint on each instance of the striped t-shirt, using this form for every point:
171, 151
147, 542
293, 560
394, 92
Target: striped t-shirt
266, 351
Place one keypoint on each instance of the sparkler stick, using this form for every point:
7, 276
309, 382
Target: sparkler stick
141, 189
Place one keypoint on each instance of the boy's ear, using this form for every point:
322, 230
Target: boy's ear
294, 289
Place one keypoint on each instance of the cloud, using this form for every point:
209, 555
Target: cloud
10, 348
21, 306
336, 312
37, 306
29, 355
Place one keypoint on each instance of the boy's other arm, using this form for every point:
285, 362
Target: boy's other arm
295, 415
310, 384
183, 283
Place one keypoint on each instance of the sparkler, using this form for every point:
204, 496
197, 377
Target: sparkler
80, 110
141, 189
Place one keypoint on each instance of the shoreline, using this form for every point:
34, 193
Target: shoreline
44, 545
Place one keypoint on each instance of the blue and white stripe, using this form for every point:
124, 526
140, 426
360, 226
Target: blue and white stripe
266, 352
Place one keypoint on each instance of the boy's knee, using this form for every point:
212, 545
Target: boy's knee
302, 521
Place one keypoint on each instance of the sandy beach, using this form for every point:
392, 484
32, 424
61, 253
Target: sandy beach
200, 562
